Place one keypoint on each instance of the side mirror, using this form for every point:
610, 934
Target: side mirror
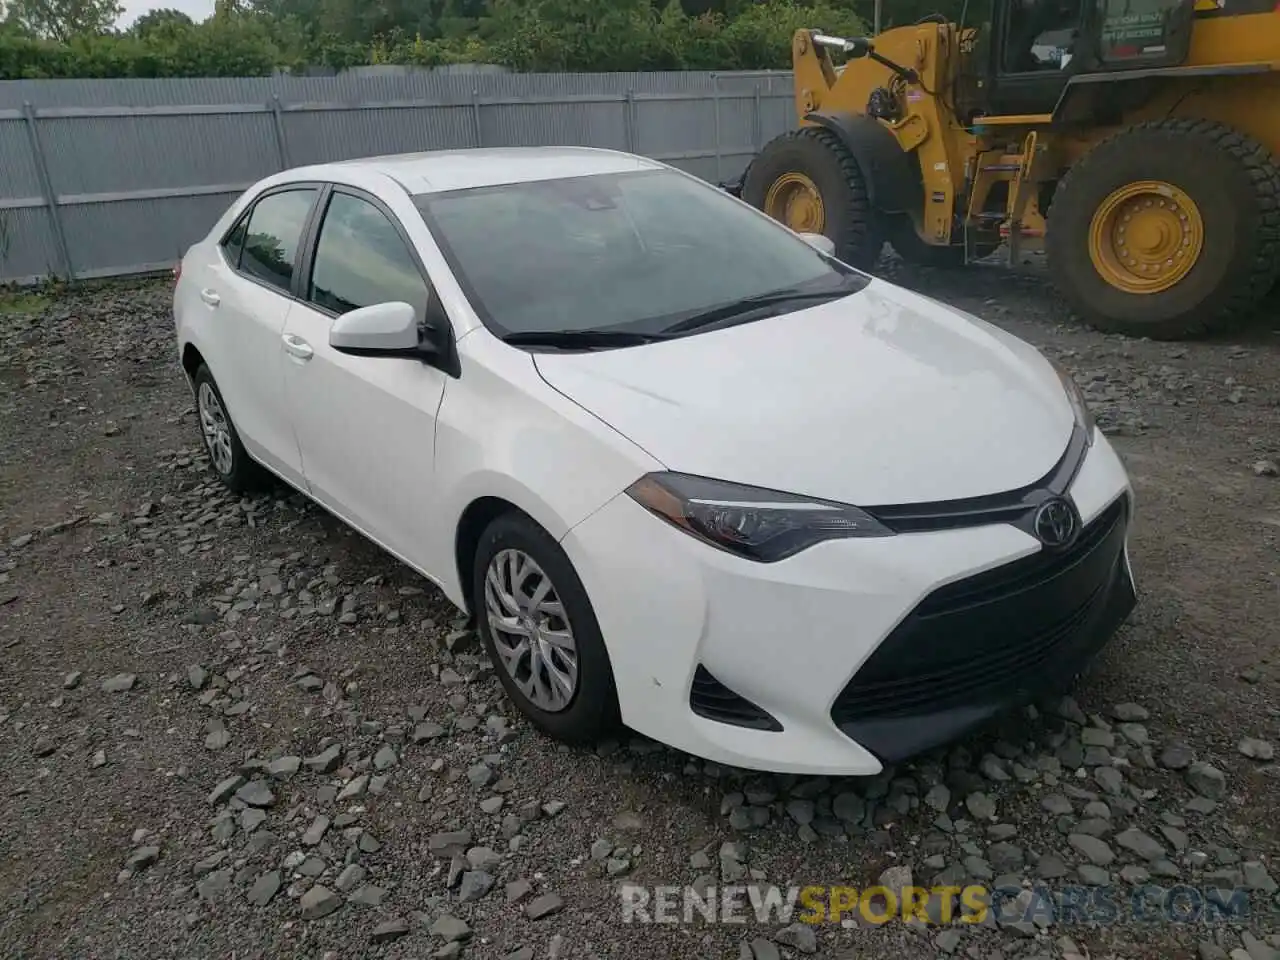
382, 330
820, 242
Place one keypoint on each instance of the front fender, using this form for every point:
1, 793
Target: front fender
893, 182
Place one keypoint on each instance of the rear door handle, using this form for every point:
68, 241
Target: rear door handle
297, 347
210, 297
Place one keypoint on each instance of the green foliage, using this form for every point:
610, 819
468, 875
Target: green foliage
255, 37
62, 19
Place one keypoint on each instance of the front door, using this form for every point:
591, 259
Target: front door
366, 425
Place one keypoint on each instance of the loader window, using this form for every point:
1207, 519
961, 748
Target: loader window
1040, 35
1138, 29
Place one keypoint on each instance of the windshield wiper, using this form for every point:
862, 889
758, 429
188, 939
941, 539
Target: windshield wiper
747, 305
581, 339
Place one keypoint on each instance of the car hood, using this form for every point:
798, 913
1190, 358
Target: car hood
882, 397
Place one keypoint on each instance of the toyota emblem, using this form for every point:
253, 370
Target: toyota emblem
1055, 523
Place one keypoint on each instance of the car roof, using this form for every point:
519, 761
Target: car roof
437, 171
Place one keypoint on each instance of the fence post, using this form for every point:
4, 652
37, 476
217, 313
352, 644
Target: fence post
282, 143
757, 120
475, 118
46, 187
629, 120
715, 114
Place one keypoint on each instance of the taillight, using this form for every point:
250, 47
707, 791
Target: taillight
177, 272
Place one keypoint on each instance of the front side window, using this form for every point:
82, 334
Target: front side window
362, 260
637, 252
274, 233
1041, 35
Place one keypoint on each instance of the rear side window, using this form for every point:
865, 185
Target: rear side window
234, 242
273, 236
361, 259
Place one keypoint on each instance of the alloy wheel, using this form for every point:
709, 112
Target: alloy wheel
531, 632
216, 429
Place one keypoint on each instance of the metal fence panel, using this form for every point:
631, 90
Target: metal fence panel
112, 177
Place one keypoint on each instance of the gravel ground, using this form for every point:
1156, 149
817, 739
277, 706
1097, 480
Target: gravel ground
233, 728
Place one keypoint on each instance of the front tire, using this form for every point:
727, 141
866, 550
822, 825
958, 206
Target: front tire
808, 180
227, 456
537, 623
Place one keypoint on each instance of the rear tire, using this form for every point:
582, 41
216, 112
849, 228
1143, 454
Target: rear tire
1234, 185
821, 157
227, 456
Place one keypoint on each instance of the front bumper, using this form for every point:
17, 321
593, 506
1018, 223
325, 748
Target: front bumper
857, 653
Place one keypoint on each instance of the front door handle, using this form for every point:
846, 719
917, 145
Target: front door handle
210, 297
297, 347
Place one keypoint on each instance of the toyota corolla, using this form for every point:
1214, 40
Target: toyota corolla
687, 471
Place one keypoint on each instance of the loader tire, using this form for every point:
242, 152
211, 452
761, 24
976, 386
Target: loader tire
1198, 191
813, 160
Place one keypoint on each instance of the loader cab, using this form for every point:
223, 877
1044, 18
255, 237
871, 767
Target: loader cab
1036, 47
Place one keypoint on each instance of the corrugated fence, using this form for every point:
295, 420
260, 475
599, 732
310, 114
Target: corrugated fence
105, 178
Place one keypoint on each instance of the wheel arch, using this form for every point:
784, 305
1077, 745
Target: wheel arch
893, 184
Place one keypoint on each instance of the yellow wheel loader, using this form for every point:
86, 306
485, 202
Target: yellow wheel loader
1134, 142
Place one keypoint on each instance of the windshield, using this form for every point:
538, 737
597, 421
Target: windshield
630, 253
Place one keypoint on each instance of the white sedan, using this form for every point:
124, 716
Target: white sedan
686, 471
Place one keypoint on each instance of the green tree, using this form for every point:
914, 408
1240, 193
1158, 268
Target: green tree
161, 21
61, 20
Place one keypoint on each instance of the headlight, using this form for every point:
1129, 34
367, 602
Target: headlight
752, 522
1084, 418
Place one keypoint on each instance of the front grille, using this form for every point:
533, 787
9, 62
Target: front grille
991, 636
710, 698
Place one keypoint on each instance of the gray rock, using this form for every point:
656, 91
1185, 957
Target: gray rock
1057, 804
256, 793
981, 806
1207, 780
948, 941
760, 949
315, 833
427, 730
390, 930
543, 906
72, 680
849, 807
264, 888
1130, 712
350, 877
1256, 877
1097, 852
326, 761
217, 739
120, 683
475, 885
224, 790
385, 758
482, 858
449, 844
355, 787
214, 885
142, 858
801, 811
368, 896
799, 936
319, 902
197, 676
1256, 749
284, 767
1142, 844
1176, 756
938, 798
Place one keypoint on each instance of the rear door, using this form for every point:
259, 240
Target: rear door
250, 291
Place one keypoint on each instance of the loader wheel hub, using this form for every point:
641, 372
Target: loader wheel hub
794, 200
1145, 237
